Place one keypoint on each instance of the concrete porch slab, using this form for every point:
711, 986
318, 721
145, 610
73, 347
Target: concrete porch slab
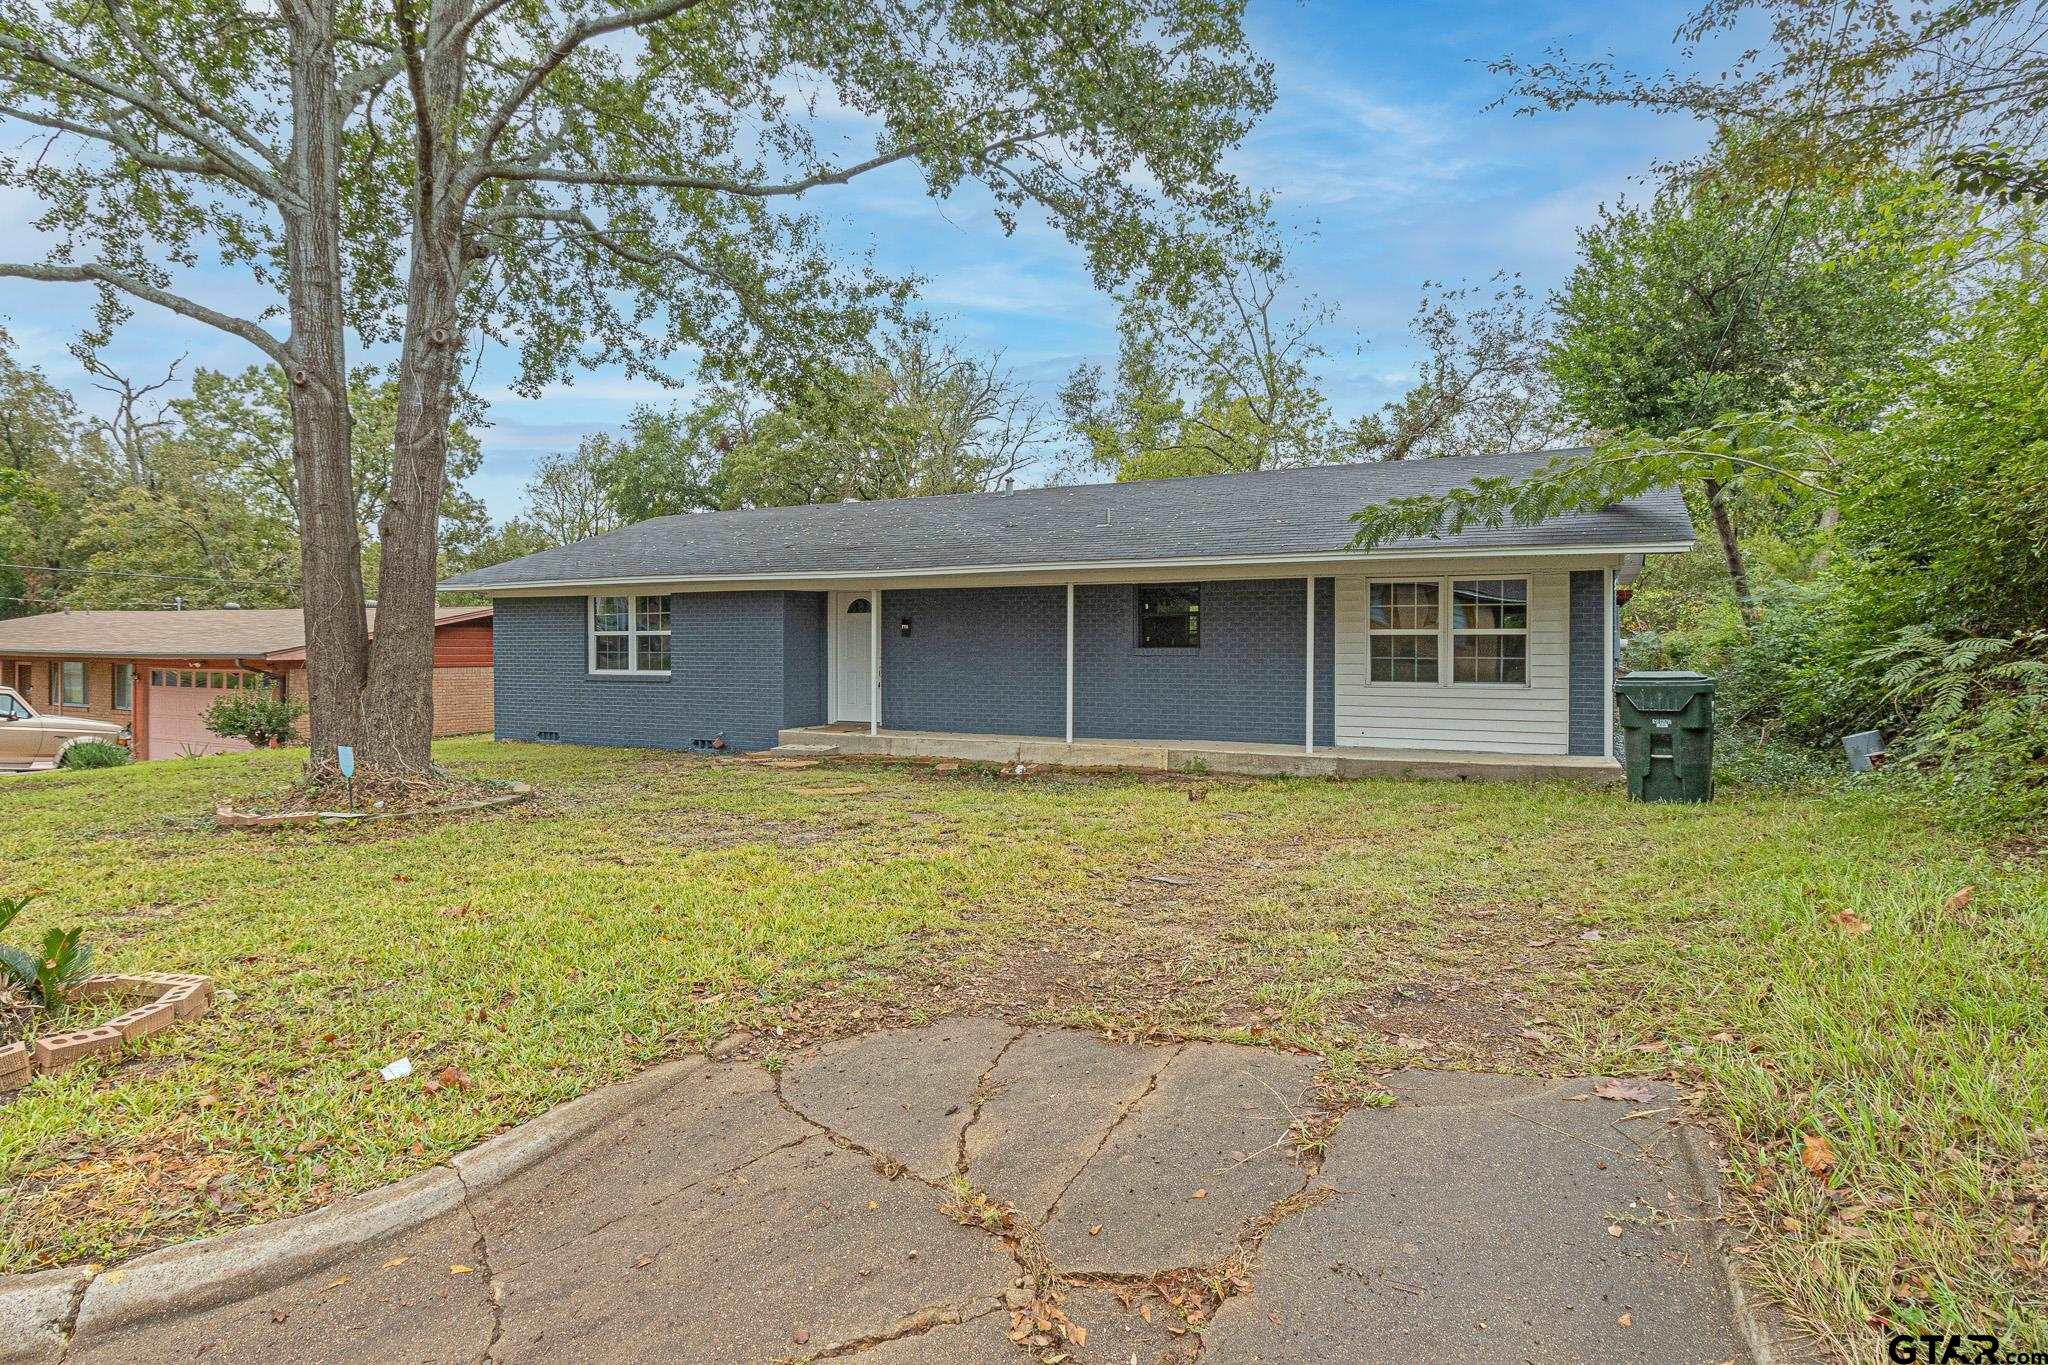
1178, 755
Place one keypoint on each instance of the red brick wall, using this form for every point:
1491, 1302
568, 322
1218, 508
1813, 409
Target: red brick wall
99, 688
462, 701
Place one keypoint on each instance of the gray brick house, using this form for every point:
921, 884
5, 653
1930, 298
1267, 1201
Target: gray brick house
1224, 610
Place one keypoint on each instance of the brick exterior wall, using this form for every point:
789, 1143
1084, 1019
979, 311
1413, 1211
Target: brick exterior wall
99, 688
988, 661
462, 701
1590, 645
803, 658
1244, 683
977, 660
728, 674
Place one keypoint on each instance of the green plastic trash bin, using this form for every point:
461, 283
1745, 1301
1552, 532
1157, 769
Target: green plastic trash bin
1667, 735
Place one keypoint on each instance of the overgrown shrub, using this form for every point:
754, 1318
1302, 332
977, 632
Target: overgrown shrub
1977, 739
259, 717
94, 753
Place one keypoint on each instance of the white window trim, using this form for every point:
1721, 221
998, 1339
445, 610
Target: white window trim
1447, 632
632, 632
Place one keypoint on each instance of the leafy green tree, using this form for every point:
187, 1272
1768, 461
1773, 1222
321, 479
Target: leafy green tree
585, 184
669, 461
243, 421
1212, 380
565, 502
1716, 321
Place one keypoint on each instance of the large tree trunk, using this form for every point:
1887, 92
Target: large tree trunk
1731, 546
399, 704
330, 545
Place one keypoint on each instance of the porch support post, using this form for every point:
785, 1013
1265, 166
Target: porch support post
1308, 739
875, 662
1070, 663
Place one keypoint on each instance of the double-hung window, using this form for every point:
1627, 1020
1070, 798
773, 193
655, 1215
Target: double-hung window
1404, 626
124, 687
70, 680
629, 634
1484, 634
1490, 630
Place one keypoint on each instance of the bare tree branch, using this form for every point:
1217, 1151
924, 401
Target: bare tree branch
118, 138
177, 303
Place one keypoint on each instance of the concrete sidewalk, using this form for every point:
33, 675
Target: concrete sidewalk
972, 1192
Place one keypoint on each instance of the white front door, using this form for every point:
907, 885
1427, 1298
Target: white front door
852, 625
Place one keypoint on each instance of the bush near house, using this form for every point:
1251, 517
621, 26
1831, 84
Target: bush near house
94, 754
258, 717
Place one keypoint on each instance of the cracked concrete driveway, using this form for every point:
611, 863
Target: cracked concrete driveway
972, 1192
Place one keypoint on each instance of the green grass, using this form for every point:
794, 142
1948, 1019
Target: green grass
648, 903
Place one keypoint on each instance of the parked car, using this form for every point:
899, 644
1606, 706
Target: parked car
30, 740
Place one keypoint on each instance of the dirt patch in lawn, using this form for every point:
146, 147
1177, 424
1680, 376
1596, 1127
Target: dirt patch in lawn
1176, 954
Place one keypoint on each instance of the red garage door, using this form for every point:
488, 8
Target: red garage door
178, 702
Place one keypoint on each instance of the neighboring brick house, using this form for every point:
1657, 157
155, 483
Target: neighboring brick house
1226, 609
158, 672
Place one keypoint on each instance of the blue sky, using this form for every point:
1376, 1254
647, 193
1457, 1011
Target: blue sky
1380, 151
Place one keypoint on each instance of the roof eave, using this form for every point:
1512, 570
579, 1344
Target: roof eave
1080, 566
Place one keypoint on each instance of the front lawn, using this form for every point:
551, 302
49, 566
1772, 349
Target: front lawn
1804, 961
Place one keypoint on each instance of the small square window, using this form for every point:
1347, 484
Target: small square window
1490, 659
1404, 658
1490, 604
1170, 617
1404, 606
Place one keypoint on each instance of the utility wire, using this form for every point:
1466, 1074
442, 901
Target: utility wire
160, 577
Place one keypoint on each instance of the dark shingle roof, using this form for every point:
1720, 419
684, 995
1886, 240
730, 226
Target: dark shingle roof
1282, 513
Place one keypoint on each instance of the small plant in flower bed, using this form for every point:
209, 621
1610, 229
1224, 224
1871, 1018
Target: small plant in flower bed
37, 979
94, 754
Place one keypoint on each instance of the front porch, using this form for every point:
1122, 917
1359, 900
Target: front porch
1177, 755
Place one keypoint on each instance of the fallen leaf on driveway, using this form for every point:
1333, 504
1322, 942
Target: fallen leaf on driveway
394, 1262
800, 1336
1200, 1194
461, 1270
1816, 1154
1624, 1320
1634, 1092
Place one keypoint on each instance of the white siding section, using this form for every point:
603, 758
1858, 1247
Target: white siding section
1479, 717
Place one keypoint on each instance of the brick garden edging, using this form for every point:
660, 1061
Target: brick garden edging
156, 1000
